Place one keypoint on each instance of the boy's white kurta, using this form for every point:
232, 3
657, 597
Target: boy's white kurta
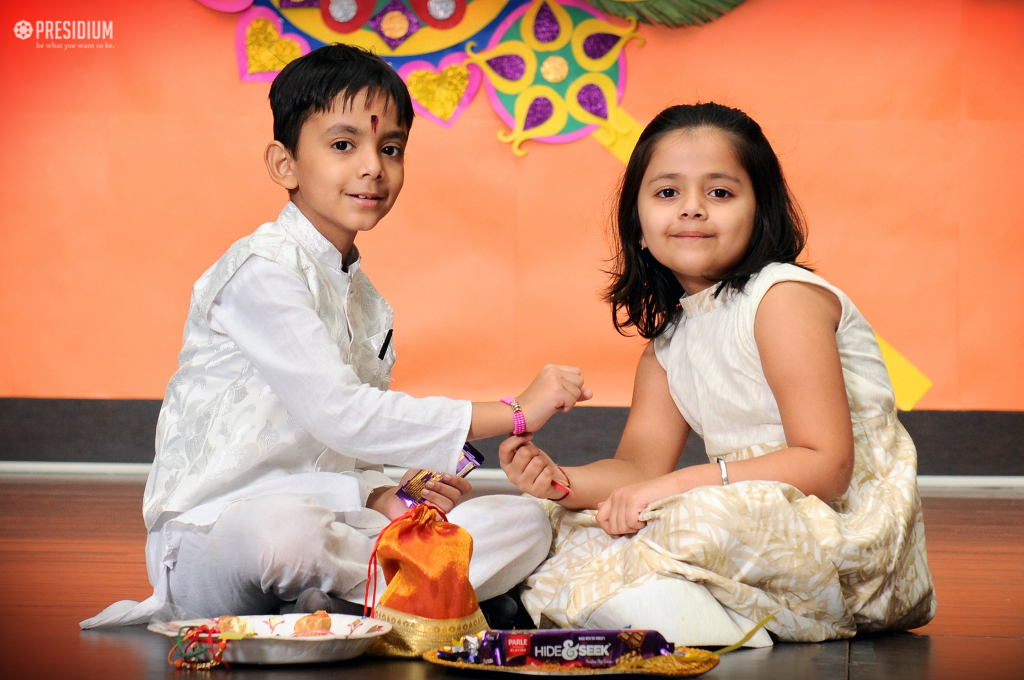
280, 409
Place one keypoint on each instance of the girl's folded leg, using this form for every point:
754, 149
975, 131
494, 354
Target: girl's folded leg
684, 612
511, 537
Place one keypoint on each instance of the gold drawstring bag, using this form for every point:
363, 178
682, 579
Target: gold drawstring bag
428, 600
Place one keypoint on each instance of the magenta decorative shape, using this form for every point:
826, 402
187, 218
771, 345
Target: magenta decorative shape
540, 110
545, 26
596, 45
394, 6
591, 98
508, 66
226, 5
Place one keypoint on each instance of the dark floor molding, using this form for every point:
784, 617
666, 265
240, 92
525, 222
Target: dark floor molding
84, 430
121, 431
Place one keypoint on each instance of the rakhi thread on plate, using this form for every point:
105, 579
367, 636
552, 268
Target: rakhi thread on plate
195, 641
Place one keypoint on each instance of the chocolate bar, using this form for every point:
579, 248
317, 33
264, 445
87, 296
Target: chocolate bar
579, 648
411, 493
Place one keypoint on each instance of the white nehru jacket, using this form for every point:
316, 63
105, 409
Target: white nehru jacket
283, 376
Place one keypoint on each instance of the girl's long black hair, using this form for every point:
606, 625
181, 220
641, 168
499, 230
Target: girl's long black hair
644, 293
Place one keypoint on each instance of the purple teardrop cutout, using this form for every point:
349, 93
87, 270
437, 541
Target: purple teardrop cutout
508, 66
545, 25
596, 45
540, 110
591, 98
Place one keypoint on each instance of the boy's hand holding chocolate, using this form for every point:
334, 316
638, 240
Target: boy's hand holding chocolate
556, 388
444, 495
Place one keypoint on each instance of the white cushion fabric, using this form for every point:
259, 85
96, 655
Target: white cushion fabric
684, 612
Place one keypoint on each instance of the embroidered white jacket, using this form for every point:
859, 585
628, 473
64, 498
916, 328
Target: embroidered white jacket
283, 376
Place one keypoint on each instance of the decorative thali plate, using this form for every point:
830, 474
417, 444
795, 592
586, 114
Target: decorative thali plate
274, 641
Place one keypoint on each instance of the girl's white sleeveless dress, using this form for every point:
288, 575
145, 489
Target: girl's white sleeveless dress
826, 570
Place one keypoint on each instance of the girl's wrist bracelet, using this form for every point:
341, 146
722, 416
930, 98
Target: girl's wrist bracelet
725, 473
518, 419
567, 487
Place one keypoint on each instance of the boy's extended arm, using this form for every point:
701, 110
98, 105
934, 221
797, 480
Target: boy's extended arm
650, 447
556, 388
270, 316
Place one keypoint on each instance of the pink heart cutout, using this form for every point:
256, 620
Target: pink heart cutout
240, 47
475, 78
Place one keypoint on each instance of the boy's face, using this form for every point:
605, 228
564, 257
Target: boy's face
349, 167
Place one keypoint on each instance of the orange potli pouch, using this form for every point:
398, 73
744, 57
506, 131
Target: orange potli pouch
428, 600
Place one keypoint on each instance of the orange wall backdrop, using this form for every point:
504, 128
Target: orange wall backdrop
128, 170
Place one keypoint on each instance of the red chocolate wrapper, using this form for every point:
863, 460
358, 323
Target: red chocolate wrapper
571, 648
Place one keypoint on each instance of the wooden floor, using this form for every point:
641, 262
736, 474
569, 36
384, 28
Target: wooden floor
68, 548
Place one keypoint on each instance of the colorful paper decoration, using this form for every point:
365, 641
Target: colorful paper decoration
263, 47
552, 104
908, 383
536, 51
441, 93
547, 64
226, 5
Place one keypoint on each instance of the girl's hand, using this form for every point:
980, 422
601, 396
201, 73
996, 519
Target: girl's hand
556, 388
620, 514
529, 468
443, 495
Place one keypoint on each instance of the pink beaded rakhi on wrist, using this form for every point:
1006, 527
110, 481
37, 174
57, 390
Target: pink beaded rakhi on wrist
517, 415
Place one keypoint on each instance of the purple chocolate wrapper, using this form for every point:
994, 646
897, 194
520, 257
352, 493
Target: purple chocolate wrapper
585, 648
411, 493
469, 460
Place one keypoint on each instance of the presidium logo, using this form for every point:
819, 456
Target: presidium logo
84, 34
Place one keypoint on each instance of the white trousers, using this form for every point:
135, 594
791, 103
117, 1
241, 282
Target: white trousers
266, 550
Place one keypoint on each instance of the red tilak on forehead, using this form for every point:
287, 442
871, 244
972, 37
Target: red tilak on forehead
373, 124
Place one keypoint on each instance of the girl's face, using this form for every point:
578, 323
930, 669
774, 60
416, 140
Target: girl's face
696, 206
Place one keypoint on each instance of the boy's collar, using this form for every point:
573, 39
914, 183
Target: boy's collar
299, 226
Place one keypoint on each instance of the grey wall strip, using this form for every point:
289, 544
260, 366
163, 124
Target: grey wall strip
121, 431
83, 430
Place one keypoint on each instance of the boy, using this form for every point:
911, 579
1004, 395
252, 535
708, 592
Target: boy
267, 485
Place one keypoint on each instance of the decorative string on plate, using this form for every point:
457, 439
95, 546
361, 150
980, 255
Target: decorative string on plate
196, 642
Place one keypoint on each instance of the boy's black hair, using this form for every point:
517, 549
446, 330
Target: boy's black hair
311, 83
645, 293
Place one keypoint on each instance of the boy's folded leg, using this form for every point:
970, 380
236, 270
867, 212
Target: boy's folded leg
314, 600
511, 537
271, 549
265, 550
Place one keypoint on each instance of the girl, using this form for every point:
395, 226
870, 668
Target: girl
809, 508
